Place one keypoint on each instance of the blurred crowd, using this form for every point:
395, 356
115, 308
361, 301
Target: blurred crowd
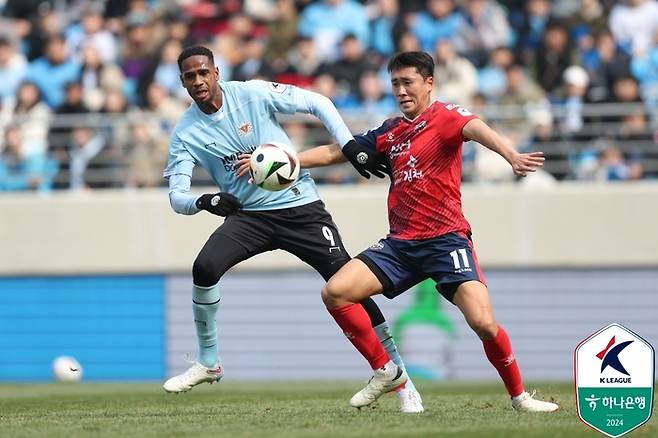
90, 90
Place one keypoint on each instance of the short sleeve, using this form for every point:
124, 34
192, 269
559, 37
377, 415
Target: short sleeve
180, 162
454, 117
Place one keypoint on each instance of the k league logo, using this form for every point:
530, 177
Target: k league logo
614, 373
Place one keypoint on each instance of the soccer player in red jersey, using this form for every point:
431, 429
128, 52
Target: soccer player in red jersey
429, 236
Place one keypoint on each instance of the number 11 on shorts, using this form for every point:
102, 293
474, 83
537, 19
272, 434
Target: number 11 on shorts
464, 258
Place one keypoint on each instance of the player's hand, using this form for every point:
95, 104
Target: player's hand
221, 204
242, 165
524, 163
364, 160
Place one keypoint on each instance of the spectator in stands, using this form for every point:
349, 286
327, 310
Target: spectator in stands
13, 67
303, 62
91, 31
485, 27
66, 115
639, 145
166, 73
612, 166
492, 80
633, 23
325, 84
374, 104
163, 107
31, 115
644, 66
590, 18
254, 65
349, 67
408, 42
529, 26
327, 22
605, 65
523, 95
455, 78
46, 25
554, 55
385, 25
20, 170
139, 48
97, 77
52, 72
576, 81
282, 34
146, 157
440, 20
85, 145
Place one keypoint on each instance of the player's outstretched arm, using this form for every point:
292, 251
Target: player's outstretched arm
521, 164
320, 156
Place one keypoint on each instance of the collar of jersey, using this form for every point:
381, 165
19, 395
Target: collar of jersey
216, 116
416, 118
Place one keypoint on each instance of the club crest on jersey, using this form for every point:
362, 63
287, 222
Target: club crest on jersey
390, 137
419, 127
245, 128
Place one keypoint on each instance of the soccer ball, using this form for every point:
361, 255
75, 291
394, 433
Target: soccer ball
67, 369
274, 166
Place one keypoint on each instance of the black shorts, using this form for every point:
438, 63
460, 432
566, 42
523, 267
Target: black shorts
307, 231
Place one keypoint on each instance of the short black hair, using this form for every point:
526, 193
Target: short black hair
421, 60
194, 51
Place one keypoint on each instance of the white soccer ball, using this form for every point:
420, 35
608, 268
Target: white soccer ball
67, 369
274, 166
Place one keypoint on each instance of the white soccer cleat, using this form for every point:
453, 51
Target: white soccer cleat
385, 379
526, 403
410, 401
195, 375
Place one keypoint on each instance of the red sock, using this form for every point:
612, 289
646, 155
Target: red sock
355, 323
499, 352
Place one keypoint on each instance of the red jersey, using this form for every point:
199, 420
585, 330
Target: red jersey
425, 154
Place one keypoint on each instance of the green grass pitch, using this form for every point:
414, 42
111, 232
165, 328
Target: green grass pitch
288, 410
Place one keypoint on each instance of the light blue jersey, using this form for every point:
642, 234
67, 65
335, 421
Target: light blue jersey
245, 120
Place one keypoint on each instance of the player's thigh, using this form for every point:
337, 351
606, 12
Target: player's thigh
240, 237
310, 233
353, 282
450, 261
472, 299
386, 262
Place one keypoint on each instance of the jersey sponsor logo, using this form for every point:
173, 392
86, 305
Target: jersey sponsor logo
228, 161
460, 110
411, 175
245, 128
399, 149
278, 88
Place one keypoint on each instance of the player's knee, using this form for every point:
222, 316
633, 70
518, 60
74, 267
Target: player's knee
485, 328
333, 293
204, 273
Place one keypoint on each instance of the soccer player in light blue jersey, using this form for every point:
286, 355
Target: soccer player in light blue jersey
226, 121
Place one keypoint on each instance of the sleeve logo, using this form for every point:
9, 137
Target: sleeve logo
277, 88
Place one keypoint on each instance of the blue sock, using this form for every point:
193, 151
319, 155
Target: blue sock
205, 303
386, 339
